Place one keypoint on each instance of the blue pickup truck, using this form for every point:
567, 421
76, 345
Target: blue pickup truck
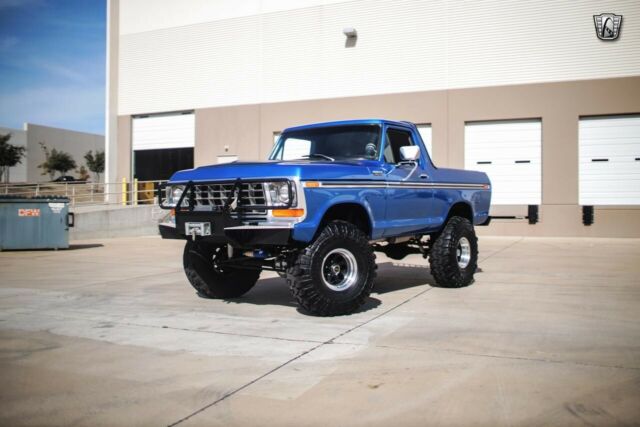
329, 197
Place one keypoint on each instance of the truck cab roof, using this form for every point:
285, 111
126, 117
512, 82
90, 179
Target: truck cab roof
351, 123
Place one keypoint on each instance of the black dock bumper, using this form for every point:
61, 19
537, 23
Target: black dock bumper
169, 231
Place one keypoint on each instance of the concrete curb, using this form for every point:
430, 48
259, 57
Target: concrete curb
116, 222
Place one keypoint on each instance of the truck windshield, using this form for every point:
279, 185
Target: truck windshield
330, 143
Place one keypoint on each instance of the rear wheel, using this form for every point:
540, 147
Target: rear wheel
454, 254
334, 275
211, 280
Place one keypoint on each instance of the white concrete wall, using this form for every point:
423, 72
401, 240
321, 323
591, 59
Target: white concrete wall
116, 221
199, 53
17, 173
159, 14
111, 96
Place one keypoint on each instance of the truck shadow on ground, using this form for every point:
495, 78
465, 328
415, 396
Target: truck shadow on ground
74, 247
394, 276
391, 277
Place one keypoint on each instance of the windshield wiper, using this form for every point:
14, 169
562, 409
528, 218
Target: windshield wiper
308, 156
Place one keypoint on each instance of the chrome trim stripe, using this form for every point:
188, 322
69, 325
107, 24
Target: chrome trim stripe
396, 185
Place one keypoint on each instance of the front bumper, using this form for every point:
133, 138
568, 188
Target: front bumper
258, 236
232, 222
225, 229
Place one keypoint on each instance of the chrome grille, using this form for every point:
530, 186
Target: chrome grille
214, 196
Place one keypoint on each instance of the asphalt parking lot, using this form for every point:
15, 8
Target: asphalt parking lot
110, 333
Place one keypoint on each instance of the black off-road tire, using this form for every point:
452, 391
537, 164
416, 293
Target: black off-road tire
305, 278
213, 282
445, 254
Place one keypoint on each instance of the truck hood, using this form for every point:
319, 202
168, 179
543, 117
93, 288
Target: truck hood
304, 169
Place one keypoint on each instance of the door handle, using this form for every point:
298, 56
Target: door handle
377, 173
424, 176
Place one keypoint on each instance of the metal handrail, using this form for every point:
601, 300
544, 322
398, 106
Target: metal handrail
89, 193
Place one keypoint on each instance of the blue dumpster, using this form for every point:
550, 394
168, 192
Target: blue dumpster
34, 222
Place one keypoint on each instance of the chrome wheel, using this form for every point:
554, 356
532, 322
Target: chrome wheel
463, 253
339, 270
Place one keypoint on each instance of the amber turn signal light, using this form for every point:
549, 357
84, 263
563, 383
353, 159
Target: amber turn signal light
288, 213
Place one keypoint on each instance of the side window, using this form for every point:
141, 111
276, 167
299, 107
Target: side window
394, 140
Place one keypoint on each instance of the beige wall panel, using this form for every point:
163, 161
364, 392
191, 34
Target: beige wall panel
622, 222
566, 221
238, 128
248, 131
427, 107
560, 157
124, 149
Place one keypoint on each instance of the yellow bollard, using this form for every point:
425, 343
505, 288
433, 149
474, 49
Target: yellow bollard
124, 191
135, 191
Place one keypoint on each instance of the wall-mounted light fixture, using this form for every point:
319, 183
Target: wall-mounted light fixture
352, 36
350, 32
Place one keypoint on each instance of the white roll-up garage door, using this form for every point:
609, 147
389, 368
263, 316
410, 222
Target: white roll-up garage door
163, 131
609, 160
510, 153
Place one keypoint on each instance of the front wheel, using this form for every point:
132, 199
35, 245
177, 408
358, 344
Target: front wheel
454, 254
335, 274
209, 278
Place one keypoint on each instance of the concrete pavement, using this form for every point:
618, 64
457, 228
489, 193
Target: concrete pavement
110, 333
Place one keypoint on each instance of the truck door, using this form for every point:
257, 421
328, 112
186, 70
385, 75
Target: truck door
409, 195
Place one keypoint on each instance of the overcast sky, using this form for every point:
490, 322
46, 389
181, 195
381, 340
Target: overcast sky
52, 63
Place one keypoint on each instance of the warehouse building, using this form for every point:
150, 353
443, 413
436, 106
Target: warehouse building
526, 91
32, 136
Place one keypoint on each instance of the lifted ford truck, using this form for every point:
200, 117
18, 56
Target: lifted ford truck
330, 195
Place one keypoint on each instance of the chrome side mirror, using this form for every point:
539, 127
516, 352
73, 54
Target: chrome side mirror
409, 153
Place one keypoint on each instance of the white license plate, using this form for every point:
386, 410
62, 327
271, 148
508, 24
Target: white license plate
197, 228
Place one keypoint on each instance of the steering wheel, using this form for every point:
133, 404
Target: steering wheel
371, 151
